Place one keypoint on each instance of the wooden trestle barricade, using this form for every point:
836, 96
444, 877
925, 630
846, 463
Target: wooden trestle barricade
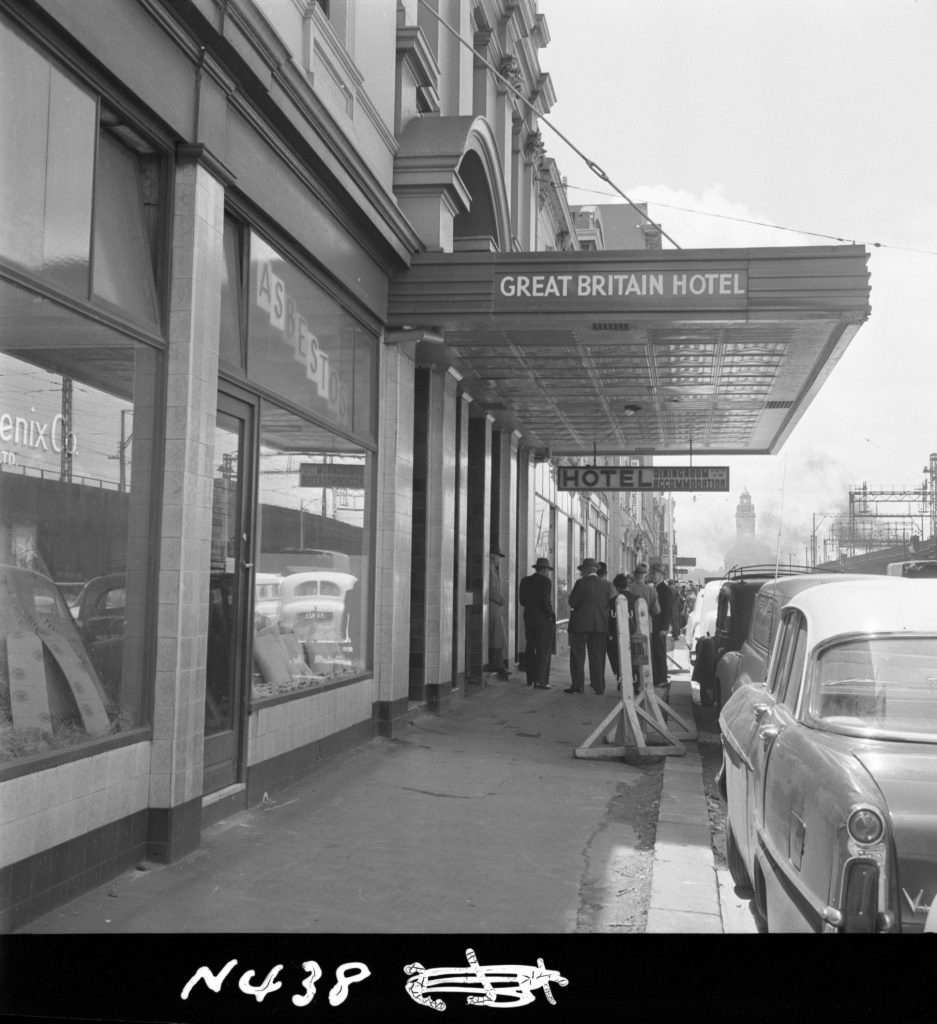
638, 721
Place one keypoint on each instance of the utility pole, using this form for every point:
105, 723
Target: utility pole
67, 453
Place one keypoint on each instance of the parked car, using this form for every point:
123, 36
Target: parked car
749, 663
831, 763
702, 618
311, 604
734, 600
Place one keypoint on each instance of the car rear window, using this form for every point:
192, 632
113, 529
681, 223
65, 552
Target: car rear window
763, 622
887, 684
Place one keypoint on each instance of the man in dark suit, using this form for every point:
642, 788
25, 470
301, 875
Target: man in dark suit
588, 628
661, 625
535, 594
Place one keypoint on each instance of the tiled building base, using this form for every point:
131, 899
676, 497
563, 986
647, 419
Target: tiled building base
37, 884
278, 772
174, 831
390, 716
440, 697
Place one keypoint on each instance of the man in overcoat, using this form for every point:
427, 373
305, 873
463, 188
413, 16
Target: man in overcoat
588, 628
535, 594
661, 625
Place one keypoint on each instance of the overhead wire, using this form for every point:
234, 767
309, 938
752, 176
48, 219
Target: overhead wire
762, 223
591, 164
600, 173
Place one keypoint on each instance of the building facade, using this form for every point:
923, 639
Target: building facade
278, 375
244, 524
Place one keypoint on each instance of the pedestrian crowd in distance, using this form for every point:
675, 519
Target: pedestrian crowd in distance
592, 627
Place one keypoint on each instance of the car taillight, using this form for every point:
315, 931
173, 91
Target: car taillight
865, 825
860, 896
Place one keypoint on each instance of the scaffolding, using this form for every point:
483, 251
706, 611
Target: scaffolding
881, 518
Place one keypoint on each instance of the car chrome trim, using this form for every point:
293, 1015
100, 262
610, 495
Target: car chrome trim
833, 916
811, 911
740, 754
915, 904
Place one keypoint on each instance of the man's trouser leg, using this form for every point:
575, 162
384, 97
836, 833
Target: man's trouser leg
544, 648
577, 657
531, 652
659, 658
596, 646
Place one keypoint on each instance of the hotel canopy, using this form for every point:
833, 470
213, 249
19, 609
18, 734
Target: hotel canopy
703, 351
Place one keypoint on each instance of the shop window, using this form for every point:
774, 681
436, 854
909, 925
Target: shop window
561, 573
46, 176
311, 624
126, 193
77, 182
77, 404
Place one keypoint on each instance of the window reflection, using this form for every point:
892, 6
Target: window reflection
313, 562
76, 434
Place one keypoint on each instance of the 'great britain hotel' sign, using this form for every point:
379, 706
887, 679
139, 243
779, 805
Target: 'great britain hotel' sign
635, 288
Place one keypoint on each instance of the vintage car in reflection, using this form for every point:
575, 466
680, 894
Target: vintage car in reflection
266, 599
312, 604
830, 765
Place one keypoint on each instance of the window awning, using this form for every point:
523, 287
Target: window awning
718, 351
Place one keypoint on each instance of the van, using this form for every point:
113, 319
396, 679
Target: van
922, 569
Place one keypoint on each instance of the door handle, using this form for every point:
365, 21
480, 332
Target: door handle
760, 710
768, 735
247, 565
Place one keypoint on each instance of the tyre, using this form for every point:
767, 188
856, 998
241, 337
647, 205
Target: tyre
737, 869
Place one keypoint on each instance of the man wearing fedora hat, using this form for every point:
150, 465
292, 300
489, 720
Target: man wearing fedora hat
661, 625
535, 594
588, 628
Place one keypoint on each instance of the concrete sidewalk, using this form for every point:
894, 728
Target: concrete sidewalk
481, 820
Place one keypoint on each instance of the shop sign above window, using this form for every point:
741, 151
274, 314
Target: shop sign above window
304, 345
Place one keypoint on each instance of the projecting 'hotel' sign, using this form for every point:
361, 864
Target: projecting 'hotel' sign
621, 290
642, 478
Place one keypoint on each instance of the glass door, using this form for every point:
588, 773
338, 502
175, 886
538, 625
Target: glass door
228, 597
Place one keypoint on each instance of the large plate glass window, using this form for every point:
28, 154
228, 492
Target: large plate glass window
80, 193
78, 183
313, 563
77, 403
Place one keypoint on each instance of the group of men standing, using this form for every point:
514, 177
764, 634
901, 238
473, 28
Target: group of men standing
591, 619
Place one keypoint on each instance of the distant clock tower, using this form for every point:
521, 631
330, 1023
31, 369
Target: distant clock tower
745, 516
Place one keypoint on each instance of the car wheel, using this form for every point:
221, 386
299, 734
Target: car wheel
737, 869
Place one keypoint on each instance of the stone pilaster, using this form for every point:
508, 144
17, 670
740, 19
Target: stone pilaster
439, 552
191, 403
392, 555
478, 534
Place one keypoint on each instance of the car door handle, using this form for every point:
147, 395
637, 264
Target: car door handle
768, 735
760, 710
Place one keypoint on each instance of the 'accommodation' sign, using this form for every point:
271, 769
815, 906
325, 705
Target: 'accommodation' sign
642, 478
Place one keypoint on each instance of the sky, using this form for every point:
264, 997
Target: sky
815, 117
